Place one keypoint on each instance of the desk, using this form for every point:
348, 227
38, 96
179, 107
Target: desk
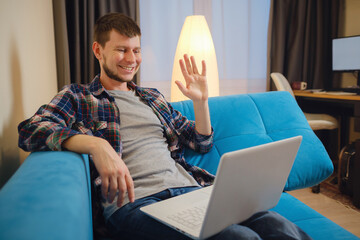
306, 94
342, 106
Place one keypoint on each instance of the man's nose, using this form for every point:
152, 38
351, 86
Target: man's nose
130, 57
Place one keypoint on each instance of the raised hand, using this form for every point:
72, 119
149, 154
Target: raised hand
196, 84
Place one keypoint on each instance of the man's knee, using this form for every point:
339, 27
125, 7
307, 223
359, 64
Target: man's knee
236, 232
271, 225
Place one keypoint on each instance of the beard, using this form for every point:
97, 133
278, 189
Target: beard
113, 75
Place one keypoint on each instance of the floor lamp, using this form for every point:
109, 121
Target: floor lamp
195, 40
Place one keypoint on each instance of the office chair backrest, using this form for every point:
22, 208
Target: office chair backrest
281, 83
316, 121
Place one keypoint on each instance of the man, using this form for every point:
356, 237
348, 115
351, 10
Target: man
136, 139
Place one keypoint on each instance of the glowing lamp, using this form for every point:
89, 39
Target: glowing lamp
195, 40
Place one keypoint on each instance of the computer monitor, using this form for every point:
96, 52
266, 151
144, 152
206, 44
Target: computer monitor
346, 55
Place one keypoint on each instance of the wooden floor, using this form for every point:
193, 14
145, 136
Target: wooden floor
344, 216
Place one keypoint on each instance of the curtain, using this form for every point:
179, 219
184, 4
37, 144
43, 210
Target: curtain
300, 40
239, 31
160, 22
74, 22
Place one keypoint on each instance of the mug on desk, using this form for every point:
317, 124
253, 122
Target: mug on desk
299, 85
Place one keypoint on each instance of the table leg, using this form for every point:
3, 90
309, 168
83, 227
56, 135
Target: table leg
356, 173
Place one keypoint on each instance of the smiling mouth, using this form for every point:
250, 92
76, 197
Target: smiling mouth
129, 69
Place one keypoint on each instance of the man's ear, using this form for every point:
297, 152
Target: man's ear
96, 47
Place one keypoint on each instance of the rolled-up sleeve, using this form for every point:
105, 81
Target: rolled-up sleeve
188, 134
50, 126
203, 143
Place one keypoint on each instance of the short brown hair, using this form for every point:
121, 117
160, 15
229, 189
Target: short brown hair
117, 21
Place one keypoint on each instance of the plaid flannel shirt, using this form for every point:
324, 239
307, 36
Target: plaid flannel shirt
89, 109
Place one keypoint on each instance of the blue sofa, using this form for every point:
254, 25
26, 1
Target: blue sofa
49, 197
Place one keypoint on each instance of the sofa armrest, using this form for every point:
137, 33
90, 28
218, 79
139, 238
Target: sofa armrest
49, 197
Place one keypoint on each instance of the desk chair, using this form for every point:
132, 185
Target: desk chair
317, 121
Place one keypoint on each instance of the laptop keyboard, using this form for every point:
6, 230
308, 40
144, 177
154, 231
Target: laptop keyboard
191, 217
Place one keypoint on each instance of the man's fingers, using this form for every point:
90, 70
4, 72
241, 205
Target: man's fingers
188, 65
105, 187
183, 69
122, 191
112, 189
203, 72
181, 87
130, 188
193, 63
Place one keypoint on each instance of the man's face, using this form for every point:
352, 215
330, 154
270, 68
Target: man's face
121, 57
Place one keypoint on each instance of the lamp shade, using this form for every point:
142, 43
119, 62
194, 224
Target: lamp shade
195, 40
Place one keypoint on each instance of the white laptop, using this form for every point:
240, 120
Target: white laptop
247, 181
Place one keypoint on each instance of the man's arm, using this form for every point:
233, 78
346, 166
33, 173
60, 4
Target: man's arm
197, 90
49, 129
115, 176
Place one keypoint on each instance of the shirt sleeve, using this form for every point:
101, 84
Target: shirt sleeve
188, 134
204, 142
51, 124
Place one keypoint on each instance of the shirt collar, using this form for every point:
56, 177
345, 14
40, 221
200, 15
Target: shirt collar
97, 89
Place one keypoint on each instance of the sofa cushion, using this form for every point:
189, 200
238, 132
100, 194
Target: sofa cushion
309, 220
241, 121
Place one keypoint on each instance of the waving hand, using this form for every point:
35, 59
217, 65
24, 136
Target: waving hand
196, 84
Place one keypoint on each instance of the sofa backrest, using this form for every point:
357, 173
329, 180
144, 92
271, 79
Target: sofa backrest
241, 121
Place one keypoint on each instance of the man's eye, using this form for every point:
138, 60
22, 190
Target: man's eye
121, 50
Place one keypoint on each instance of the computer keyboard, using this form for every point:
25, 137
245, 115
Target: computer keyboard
338, 93
191, 217
349, 90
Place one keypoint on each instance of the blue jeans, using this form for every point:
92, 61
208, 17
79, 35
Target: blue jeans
129, 222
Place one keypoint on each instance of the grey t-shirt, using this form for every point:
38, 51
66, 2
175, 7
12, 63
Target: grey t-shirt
145, 151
